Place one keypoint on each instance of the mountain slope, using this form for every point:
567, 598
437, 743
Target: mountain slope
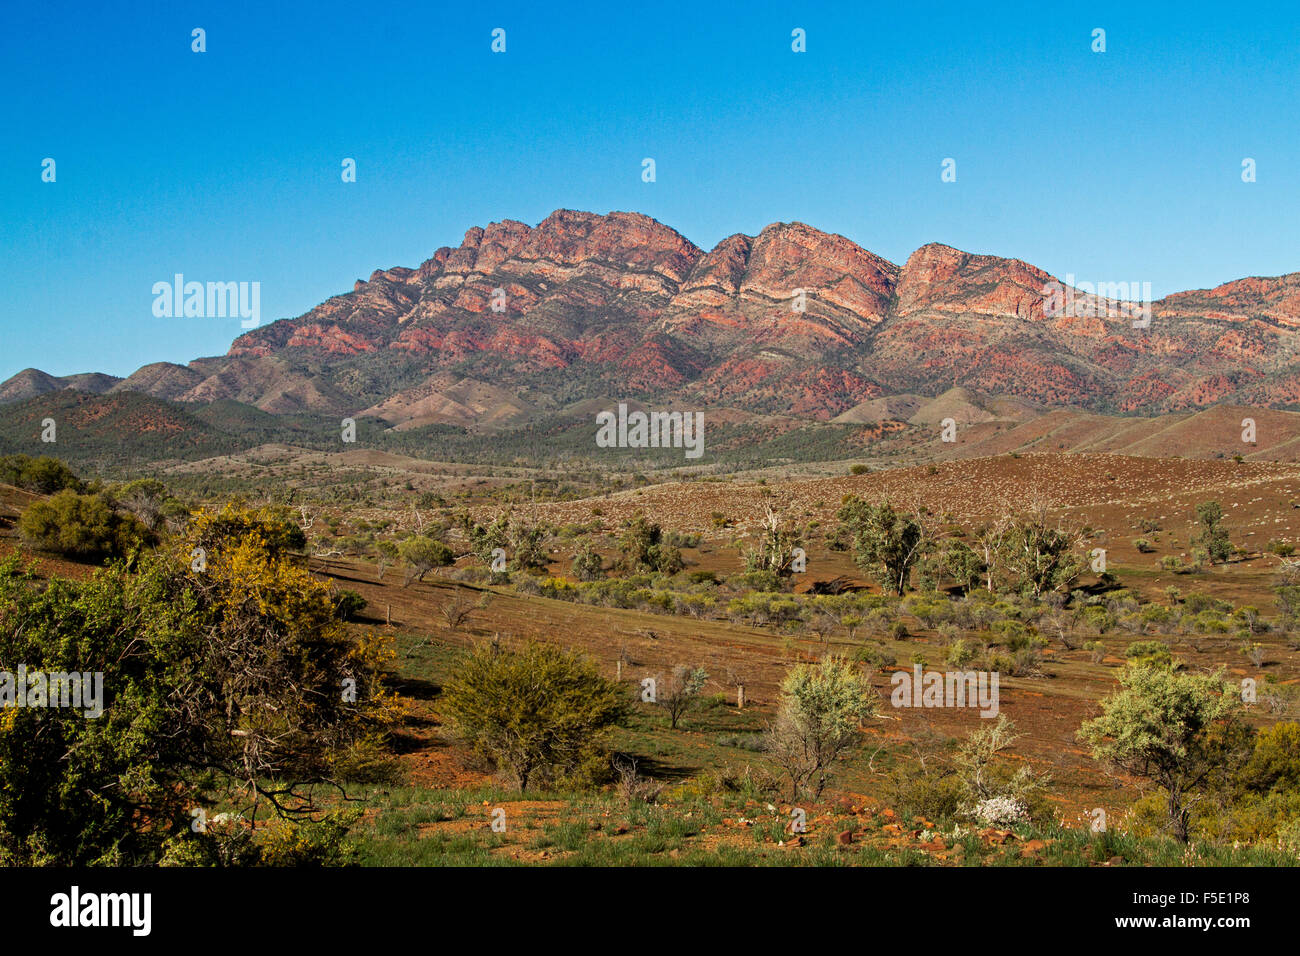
792, 321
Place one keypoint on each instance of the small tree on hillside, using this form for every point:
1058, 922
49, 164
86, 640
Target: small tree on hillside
144, 498
1213, 537
679, 691
644, 547
954, 560
886, 543
991, 548
587, 563
1159, 727
422, 555
775, 551
1040, 553
386, 555
528, 547
485, 539
818, 721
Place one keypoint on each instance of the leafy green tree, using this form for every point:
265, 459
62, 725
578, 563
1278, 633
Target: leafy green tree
1040, 554
819, 720
954, 560
1212, 537
234, 684
886, 543
387, 553
484, 539
1274, 764
1160, 727
85, 527
534, 709
421, 555
528, 547
587, 563
145, 498
644, 547
43, 475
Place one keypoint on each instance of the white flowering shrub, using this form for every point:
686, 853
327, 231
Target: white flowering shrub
1000, 812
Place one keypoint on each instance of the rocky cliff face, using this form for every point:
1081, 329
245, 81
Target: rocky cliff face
791, 320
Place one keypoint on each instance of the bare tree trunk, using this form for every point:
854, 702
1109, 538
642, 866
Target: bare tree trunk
1178, 816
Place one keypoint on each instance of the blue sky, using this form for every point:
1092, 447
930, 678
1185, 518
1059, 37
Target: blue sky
225, 165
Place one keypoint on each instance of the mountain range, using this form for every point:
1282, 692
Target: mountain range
519, 322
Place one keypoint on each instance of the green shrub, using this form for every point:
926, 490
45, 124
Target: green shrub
1198, 601
960, 654
755, 581
528, 547
875, 656
348, 604
930, 790
1149, 653
85, 527
534, 710
1211, 622
1017, 637
43, 475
